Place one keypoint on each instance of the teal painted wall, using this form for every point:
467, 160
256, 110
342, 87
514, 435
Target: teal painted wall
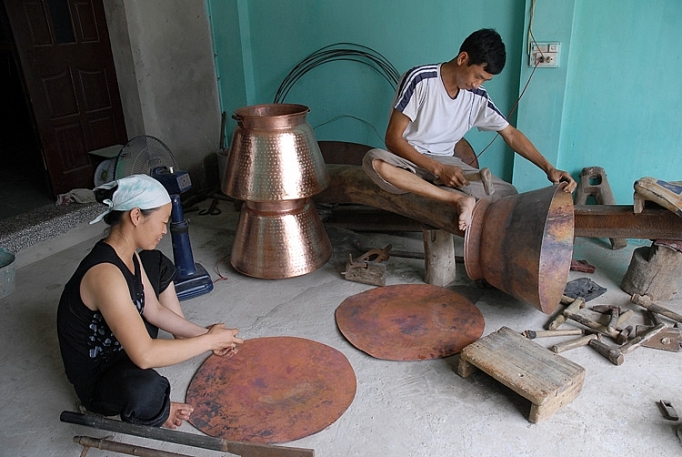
622, 111
349, 101
540, 114
609, 104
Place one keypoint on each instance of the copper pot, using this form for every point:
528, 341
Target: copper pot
274, 155
523, 245
280, 240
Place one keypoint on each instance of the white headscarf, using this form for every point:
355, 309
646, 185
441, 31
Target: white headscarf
136, 191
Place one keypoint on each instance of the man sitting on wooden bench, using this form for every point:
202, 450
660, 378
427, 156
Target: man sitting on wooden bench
434, 106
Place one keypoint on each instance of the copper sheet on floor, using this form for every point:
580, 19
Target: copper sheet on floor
409, 322
274, 390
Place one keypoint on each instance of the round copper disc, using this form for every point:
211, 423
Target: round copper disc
273, 390
409, 322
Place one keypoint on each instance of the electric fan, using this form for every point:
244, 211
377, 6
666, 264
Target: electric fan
148, 155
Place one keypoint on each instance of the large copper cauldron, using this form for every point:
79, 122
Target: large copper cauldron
523, 245
275, 166
274, 155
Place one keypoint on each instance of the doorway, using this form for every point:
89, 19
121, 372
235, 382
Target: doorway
59, 57
24, 184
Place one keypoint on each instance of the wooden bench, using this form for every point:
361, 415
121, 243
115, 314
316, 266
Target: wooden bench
547, 379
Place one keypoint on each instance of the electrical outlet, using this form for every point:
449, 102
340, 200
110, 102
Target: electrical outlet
544, 55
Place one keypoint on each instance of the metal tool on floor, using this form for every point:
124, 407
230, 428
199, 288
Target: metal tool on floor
670, 338
188, 439
668, 410
368, 268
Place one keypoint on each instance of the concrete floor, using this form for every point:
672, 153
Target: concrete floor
400, 408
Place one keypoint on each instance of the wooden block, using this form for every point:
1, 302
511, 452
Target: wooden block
654, 271
548, 380
439, 257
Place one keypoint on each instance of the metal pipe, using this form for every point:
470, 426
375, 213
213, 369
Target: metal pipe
187, 439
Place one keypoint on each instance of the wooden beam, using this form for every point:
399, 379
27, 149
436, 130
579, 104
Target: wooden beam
350, 185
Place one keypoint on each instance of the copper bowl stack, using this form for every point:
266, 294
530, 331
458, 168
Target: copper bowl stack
275, 166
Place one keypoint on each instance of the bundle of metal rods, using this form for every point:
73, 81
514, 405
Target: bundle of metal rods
334, 52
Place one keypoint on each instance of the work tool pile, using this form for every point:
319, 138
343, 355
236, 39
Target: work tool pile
612, 322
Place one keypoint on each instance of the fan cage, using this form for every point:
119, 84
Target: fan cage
141, 155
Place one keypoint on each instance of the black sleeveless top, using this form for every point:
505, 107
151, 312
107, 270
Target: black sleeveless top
87, 344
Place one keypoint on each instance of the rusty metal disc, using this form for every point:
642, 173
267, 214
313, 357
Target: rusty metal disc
274, 390
409, 322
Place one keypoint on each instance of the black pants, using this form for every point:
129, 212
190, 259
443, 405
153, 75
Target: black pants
139, 396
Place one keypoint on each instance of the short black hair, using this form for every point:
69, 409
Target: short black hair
485, 48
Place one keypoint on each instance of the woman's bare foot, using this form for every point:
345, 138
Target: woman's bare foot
178, 412
465, 205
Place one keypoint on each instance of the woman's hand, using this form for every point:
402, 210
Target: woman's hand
226, 343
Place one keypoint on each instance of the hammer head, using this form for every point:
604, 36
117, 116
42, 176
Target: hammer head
487, 180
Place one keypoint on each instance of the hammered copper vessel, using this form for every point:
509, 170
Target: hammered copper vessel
274, 155
275, 166
523, 245
280, 240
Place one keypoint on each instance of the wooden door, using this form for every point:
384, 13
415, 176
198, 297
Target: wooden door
66, 59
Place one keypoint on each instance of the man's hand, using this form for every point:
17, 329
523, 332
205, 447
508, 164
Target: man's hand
558, 176
452, 176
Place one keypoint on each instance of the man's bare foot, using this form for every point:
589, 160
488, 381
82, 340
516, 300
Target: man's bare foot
465, 205
178, 412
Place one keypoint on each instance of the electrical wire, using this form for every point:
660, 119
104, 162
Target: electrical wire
221, 276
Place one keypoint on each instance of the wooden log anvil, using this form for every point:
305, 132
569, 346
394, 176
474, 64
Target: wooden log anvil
349, 184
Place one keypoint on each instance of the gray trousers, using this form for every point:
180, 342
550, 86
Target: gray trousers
475, 188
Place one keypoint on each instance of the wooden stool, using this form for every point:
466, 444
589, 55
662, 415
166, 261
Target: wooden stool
548, 380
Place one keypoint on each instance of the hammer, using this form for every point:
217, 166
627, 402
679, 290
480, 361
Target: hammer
574, 305
645, 302
616, 321
596, 326
616, 354
485, 177
482, 175
572, 344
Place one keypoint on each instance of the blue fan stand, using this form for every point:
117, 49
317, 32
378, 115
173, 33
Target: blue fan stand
192, 279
